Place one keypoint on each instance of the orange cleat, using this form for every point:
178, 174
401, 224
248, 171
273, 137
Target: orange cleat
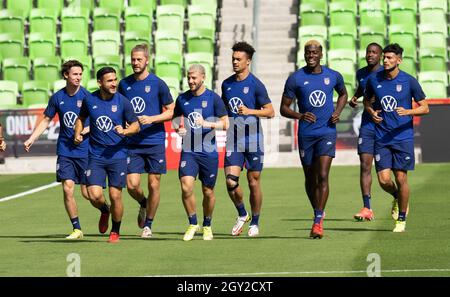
316, 231
114, 237
365, 214
103, 223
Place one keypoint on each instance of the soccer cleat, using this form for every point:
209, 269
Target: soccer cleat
364, 214
395, 209
141, 217
400, 226
146, 232
239, 225
190, 232
103, 222
76, 234
207, 233
253, 230
316, 231
114, 237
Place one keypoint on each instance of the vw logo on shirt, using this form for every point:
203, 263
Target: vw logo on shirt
138, 104
104, 124
69, 119
192, 117
317, 98
234, 104
388, 103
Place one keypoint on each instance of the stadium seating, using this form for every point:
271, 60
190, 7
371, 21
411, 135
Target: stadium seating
8, 94
55, 5
12, 21
148, 6
47, 69
75, 19
58, 85
24, 5
73, 43
138, 20
132, 38
105, 42
17, 69
106, 18
41, 44
35, 94
43, 21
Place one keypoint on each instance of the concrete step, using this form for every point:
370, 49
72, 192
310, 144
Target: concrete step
277, 26
277, 18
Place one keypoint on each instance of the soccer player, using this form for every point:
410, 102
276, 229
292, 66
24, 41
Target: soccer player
72, 160
153, 105
391, 92
2, 140
313, 87
247, 100
366, 139
203, 112
108, 112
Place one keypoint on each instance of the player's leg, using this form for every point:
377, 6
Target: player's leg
365, 180
234, 161
117, 180
256, 197
208, 167
209, 201
135, 167
71, 208
154, 196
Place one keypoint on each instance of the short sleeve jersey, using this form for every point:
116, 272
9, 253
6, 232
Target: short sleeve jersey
362, 76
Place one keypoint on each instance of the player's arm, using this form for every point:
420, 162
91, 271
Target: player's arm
40, 128
222, 124
266, 111
166, 115
354, 100
341, 103
79, 128
2, 140
288, 112
133, 126
367, 101
130, 130
421, 110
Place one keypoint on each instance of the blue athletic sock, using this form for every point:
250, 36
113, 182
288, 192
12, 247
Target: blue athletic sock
318, 214
206, 221
241, 210
255, 219
104, 208
193, 219
402, 216
76, 223
366, 200
115, 226
148, 222
143, 203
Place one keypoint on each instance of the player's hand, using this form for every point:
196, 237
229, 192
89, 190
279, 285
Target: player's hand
78, 139
144, 120
243, 110
2, 145
119, 130
401, 111
335, 117
376, 118
85, 130
199, 121
353, 102
181, 131
309, 117
27, 144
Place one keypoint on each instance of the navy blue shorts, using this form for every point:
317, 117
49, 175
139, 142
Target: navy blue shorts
148, 159
71, 169
99, 169
253, 161
205, 165
395, 156
366, 142
311, 147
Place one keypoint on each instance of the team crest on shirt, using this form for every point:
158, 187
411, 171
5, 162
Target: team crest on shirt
398, 88
79, 102
204, 104
114, 108
147, 89
245, 90
326, 81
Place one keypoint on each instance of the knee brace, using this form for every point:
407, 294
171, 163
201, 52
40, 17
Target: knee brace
233, 178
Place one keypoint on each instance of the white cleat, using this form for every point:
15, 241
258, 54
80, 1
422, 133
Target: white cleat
190, 232
75, 235
146, 233
239, 225
207, 233
253, 230
400, 226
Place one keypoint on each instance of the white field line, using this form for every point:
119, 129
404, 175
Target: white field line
32, 191
302, 273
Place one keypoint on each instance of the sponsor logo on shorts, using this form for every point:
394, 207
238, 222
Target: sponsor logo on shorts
302, 153
329, 143
183, 164
128, 160
122, 173
57, 166
408, 158
228, 154
360, 140
212, 175
88, 172
377, 157
255, 158
161, 161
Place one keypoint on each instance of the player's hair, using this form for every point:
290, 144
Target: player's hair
143, 47
104, 70
243, 46
65, 67
374, 44
197, 68
313, 42
393, 48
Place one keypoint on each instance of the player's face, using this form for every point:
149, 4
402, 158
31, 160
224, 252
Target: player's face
108, 83
240, 61
139, 62
373, 55
74, 76
195, 80
391, 61
313, 54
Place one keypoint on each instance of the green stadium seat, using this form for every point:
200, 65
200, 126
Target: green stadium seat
340, 40
84, 4
406, 40
128, 67
148, 6
43, 21
433, 76
136, 19
342, 54
106, 18
206, 3
434, 89
200, 41
8, 94
47, 69
58, 85
433, 52
376, 19
367, 35
114, 61
170, 17
370, 5
433, 39
11, 45
17, 69
86, 61
169, 65
55, 5
312, 13
434, 15
403, 4
73, 44
168, 42
115, 4
24, 5
409, 65
174, 86
12, 21
41, 45
346, 67
176, 2
343, 14
437, 4
133, 38
105, 42
402, 13
201, 17
92, 85
35, 94
312, 32
432, 63
75, 20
